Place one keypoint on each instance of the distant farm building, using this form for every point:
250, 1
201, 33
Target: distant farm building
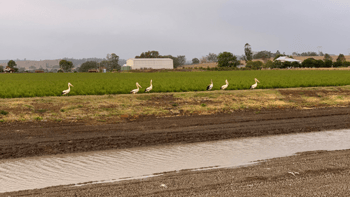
287, 59
103, 69
150, 63
9, 70
125, 67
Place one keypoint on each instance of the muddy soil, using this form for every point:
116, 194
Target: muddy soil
45, 138
320, 173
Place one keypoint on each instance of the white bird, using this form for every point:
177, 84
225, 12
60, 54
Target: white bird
64, 92
255, 84
210, 86
224, 86
163, 185
293, 173
134, 91
149, 88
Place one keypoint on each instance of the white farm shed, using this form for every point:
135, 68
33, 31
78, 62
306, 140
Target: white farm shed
154, 63
287, 59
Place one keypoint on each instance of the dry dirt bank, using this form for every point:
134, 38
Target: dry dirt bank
318, 173
111, 109
33, 139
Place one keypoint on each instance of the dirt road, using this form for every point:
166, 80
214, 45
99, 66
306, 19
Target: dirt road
40, 138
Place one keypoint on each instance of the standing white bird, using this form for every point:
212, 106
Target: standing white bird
254, 85
134, 91
149, 88
224, 86
210, 86
64, 92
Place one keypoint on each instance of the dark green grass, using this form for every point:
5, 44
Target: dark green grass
52, 84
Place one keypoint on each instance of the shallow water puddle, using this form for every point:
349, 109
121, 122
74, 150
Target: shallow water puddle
116, 165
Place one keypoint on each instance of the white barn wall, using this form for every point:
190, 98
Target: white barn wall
154, 63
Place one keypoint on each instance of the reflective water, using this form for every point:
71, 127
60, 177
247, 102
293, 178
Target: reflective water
115, 165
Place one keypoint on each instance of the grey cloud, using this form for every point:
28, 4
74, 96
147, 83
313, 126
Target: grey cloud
40, 29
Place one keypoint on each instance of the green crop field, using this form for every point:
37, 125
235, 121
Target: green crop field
52, 84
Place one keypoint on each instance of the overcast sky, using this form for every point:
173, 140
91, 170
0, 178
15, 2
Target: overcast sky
53, 29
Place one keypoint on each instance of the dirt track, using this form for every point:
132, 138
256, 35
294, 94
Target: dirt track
33, 139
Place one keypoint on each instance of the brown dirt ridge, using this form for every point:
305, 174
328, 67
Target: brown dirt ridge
45, 138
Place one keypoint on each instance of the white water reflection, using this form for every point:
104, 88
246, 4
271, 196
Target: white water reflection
114, 165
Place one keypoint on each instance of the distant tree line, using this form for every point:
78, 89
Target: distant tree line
307, 63
110, 63
78, 62
228, 60
249, 55
210, 58
224, 60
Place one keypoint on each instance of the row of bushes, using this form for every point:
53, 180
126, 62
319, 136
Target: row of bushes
307, 63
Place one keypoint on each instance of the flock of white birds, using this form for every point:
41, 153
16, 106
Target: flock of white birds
134, 91
223, 87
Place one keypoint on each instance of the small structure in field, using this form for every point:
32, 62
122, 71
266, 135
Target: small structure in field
125, 67
103, 69
39, 71
93, 71
153, 63
9, 70
287, 59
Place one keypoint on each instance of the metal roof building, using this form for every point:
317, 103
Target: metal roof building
153, 63
287, 59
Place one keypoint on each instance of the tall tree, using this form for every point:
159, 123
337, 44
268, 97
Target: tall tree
248, 52
149, 54
341, 58
327, 57
195, 61
268, 64
277, 53
203, 59
154, 54
65, 65
212, 57
309, 53
262, 55
11, 64
86, 66
113, 61
256, 65
1, 69
296, 54
227, 59
309, 63
181, 59
105, 63
176, 62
